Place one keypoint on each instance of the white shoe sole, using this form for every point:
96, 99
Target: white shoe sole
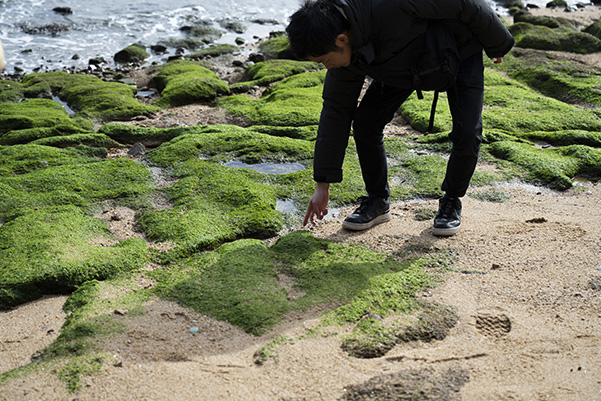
364, 226
445, 232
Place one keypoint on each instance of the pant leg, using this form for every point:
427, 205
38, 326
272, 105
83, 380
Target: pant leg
465, 102
376, 109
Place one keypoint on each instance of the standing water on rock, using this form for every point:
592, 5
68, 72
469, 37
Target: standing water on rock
48, 35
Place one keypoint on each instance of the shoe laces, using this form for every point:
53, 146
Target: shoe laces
364, 203
448, 207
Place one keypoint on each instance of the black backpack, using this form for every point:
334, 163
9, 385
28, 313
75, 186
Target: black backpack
428, 63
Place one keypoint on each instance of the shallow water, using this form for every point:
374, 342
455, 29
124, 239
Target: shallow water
268, 168
102, 28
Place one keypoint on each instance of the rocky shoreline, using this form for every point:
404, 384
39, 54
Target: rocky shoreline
131, 206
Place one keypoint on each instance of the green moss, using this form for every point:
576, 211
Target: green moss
559, 39
135, 53
278, 47
214, 205
508, 106
374, 337
148, 136
80, 366
214, 51
185, 82
221, 143
308, 133
90, 96
10, 91
565, 138
559, 77
19, 159
265, 73
296, 101
86, 139
270, 350
30, 135
241, 281
121, 180
51, 250
594, 29
244, 271
553, 167
37, 113
75, 353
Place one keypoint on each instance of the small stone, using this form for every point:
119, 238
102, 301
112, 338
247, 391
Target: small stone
194, 330
120, 312
137, 150
63, 10
118, 364
256, 57
495, 266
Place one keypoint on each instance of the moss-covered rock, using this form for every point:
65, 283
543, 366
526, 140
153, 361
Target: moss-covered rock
308, 133
221, 143
552, 167
20, 159
135, 53
594, 29
214, 205
90, 96
10, 91
560, 39
296, 101
214, 51
508, 106
51, 251
277, 47
87, 139
550, 22
556, 76
148, 136
37, 113
265, 73
67, 183
184, 82
240, 281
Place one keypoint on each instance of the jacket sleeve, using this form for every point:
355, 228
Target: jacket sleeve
477, 15
340, 93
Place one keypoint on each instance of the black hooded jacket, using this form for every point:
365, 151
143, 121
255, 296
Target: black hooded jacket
382, 29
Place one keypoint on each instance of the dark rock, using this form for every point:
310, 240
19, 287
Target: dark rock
52, 29
131, 54
137, 150
158, 49
63, 10
96, 61
256, 57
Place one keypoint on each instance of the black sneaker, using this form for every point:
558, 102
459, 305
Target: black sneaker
448, 220
371, 212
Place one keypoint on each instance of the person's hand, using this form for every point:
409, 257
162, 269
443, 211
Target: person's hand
318, 205
497, 60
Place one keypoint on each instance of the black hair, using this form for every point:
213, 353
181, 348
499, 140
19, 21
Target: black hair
314, 27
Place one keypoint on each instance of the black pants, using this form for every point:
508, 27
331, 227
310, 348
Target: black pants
377, 109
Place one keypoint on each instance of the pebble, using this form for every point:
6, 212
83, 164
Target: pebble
194, 330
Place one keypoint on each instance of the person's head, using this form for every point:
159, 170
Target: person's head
318, 31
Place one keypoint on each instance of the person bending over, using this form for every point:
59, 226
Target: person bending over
358, 38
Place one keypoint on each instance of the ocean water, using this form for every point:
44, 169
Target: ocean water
102, 28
